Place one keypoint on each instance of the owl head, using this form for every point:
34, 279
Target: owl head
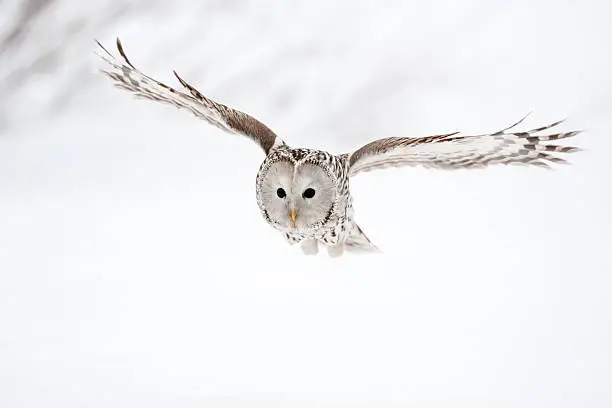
296, 195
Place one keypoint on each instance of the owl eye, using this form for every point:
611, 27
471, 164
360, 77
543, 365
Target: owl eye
308, 193
281, 193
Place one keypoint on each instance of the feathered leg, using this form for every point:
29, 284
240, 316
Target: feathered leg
310, 246
335, 251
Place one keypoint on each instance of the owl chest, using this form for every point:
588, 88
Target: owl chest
330, 236
334, 232
339, 227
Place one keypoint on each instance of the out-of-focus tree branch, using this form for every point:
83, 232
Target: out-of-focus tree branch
30, 9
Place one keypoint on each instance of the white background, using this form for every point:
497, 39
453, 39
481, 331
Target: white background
136, 270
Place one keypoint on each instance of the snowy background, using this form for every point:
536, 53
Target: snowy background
136, 270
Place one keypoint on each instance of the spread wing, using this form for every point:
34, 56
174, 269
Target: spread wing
126, 76
452, 151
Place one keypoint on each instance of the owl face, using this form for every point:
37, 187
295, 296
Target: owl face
297, 196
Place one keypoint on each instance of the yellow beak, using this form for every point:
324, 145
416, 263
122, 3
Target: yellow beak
292, 216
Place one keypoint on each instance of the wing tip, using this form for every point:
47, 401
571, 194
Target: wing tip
181, 80
193, 91
122, 52
107, 53
515, 124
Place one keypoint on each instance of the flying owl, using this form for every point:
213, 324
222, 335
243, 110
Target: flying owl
304, 193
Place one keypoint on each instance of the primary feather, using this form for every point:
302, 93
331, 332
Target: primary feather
126, 76
452, 151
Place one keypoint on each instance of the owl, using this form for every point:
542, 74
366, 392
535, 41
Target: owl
304, 193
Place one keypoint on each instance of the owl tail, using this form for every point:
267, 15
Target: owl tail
357, 241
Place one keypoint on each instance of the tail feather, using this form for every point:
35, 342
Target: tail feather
357, 241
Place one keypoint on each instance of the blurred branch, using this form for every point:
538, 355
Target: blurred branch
29, 11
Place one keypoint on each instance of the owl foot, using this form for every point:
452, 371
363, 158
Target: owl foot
310, 247
335, 251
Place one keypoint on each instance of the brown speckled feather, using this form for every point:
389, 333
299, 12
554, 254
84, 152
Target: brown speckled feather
126, 76
451, 151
